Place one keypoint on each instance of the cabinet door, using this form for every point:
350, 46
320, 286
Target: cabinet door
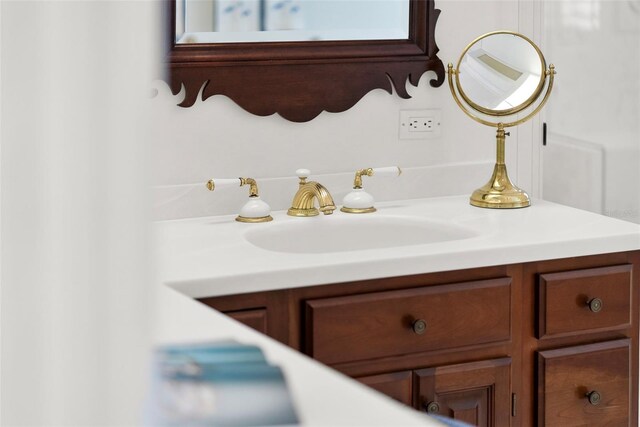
256, 318
477, 393
397, 385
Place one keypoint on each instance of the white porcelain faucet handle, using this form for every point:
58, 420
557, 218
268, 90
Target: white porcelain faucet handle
387, 171
303, 173
216, 183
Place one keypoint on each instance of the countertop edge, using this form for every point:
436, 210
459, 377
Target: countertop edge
320, 393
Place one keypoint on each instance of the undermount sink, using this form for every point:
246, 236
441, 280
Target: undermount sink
352, 233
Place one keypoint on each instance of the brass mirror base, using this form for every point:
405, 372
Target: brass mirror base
499, 192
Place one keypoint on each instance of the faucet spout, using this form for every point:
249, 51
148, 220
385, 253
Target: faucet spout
304, 201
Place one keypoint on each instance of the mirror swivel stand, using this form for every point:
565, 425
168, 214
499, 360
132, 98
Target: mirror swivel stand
500, 192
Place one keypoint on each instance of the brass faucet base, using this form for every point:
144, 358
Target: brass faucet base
499, 192
358, 210
303, 204
303, 212
254, 220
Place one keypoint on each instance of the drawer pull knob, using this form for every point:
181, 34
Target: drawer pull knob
419, 326
595, 304
432, 407
594, 397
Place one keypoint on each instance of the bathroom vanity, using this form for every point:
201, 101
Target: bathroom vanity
521, 317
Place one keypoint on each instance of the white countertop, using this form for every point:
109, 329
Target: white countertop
210, 256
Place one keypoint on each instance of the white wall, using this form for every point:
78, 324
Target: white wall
216, 138
592, 160
0, 216
76, 296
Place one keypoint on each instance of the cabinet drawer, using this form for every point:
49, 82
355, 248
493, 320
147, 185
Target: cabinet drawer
568, 379
255, 318
579, 301
397, 385
392, 323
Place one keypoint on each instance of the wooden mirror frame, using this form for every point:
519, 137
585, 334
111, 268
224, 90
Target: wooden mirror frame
299, 80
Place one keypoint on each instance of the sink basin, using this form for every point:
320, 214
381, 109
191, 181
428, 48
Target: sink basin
352, 233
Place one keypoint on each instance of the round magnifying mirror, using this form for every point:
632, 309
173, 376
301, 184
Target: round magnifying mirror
501, 73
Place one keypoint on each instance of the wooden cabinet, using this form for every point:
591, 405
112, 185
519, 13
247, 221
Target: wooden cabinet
549, 343
381, 324
256, 318
265, 312
585, 385
397, 385
582, 346
586, 300
478, 393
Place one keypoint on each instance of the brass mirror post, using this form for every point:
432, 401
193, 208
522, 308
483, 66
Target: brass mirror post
500, 192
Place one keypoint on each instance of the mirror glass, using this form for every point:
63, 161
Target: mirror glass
229, 21
501, 73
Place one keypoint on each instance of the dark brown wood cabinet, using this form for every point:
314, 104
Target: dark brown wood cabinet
549, 343
383, 324
585, 385
587, 300
478, 393
254, 318
397, 385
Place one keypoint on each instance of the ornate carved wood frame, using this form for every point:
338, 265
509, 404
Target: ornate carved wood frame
298, 80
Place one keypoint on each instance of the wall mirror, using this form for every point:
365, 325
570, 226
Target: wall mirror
498, 76
298, 58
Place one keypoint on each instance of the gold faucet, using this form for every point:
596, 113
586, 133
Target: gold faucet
308, 192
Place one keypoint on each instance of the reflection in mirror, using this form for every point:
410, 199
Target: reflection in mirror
228, 21
500, 72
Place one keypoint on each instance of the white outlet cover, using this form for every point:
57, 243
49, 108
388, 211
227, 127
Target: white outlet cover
406, 116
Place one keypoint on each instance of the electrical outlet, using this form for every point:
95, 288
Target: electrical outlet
420, 124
